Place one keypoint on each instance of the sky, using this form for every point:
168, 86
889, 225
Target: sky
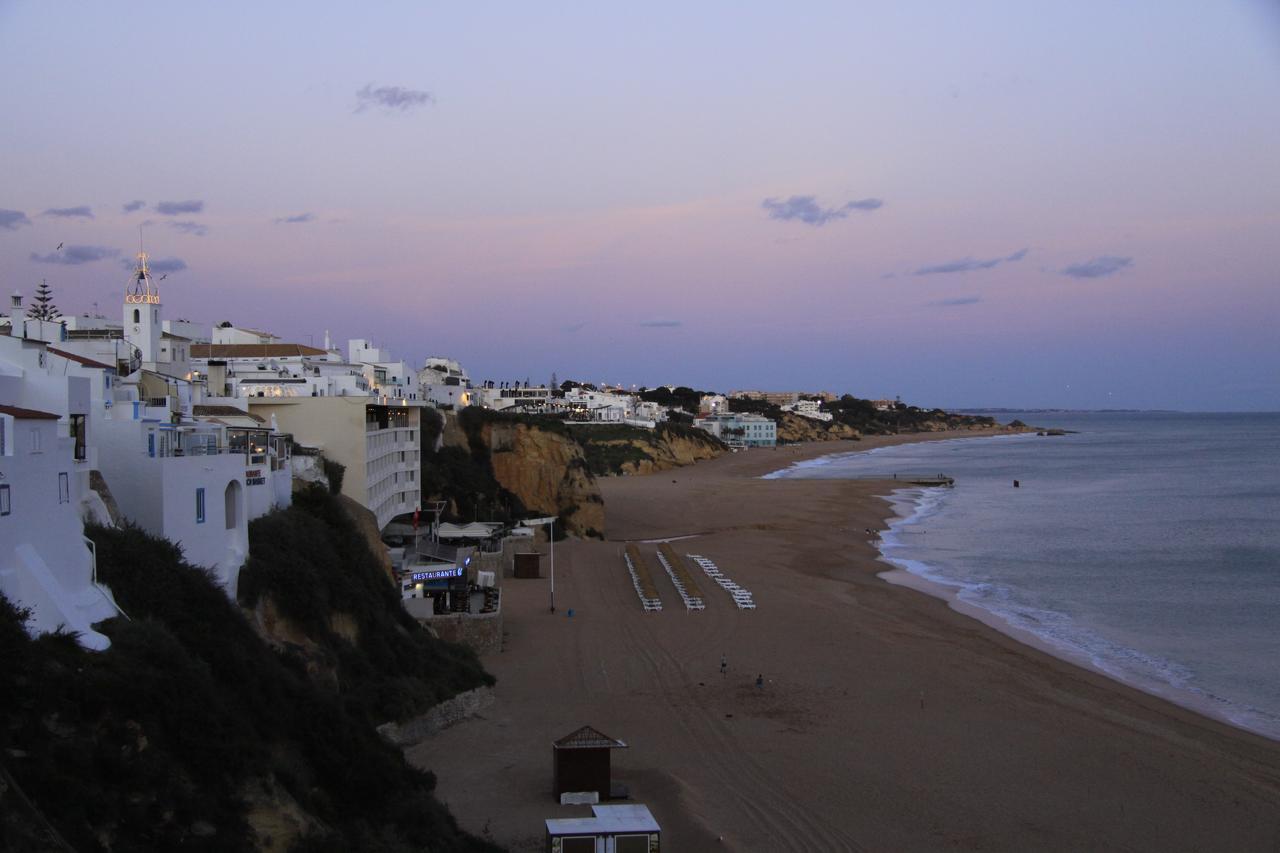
1071, 204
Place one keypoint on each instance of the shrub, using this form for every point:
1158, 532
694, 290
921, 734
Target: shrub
131, 748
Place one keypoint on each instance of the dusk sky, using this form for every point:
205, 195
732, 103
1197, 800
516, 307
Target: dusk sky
1001, 203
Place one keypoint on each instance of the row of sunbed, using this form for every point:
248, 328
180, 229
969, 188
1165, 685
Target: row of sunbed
680, 578
741, 595
641, 579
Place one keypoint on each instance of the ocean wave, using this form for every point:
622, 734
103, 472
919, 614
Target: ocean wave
1058, 631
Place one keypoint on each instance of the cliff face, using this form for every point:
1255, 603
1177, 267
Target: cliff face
668, 450
794, 427
546, 471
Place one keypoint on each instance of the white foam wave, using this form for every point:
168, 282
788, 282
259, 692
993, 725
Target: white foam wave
1059, 631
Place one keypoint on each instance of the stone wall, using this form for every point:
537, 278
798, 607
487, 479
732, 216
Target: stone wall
440, 717
480, 631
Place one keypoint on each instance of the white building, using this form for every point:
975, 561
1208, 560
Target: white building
444, 383
227, 333
46, 564
740, 429
581, 404
194, 481
386, 374
808, 409
277, 370
525, 398
713, 404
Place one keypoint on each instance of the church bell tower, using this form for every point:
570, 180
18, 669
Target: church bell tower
142, 312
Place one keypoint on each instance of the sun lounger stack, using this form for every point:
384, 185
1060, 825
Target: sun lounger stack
680, 577
641, 579
741, 595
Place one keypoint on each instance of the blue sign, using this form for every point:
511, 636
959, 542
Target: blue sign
455, 572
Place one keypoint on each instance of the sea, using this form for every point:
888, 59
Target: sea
1145, 545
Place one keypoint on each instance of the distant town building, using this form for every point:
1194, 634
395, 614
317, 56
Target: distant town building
713, 404
740, 429
808, 409
444, 384
782, 398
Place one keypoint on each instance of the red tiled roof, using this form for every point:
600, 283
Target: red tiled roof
87, 362
27, 414
252, 350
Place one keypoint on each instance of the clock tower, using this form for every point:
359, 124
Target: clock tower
142, 312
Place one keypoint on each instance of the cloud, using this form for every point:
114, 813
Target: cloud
391, 98
661, 324
195, 228
301, 217
970, 264
1098, 267
130, 207
158, 266
959, 300
81, 211
173, 208
12, 220
805, 208
76, 255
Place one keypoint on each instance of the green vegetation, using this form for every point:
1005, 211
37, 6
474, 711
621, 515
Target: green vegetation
156, 743
313, 563
609, 447
334, 471
684, 397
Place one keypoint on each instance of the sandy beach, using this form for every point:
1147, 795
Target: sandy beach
887, 720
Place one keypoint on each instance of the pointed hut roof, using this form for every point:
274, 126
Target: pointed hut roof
588, 738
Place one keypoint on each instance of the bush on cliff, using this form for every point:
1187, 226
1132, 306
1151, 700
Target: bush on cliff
312, 562
155, 743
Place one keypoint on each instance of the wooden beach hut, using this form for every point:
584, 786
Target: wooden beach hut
582, 762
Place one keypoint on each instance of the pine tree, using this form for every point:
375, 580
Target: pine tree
554, 383
43, 309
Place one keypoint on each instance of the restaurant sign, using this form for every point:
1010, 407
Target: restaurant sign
436, 574
253, 477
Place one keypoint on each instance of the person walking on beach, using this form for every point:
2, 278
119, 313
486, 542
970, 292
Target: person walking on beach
760, 681
724, 665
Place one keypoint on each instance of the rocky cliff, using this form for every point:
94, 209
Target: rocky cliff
514, 466
794, 428
548, 473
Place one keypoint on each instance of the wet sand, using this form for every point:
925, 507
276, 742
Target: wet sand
887, 720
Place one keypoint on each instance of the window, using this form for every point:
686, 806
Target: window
35, 441
2, 436
78, 433
64, 488
4, 500
137, 316
199, 506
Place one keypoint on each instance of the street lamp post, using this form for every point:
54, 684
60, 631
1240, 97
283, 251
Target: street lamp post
550, 522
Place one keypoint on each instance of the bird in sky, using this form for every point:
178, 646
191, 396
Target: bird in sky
163, 277
59, 249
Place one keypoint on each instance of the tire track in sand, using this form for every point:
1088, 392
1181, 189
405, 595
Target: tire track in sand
778, 815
